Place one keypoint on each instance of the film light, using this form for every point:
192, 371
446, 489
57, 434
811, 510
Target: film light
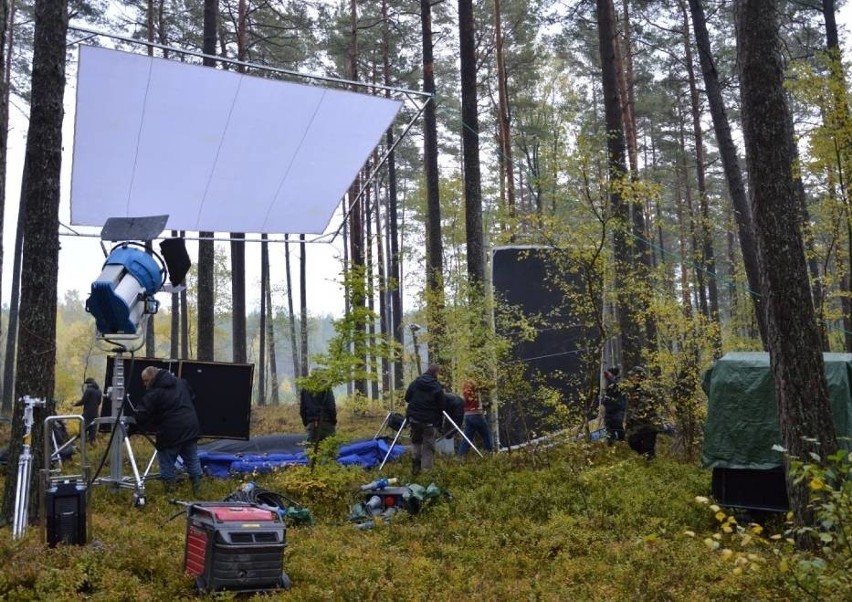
124, 292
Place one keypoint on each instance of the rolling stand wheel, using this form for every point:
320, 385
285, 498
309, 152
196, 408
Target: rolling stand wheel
138, 500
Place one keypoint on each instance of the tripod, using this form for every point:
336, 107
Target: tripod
403, 425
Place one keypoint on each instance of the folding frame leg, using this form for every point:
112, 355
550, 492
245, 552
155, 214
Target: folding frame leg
395, 439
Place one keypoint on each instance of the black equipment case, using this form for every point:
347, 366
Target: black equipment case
234, 546
65, 496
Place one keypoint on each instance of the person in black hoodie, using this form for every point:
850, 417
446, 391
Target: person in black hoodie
615, 404
167, 409
319, 413
425, 412
91, 402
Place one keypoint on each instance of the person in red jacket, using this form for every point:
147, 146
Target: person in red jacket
475, 421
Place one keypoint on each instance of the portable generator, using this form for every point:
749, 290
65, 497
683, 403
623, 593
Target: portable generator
234, 546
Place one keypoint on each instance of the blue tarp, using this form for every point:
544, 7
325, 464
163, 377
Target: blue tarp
367, 453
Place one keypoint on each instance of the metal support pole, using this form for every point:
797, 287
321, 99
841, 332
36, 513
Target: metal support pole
119, 442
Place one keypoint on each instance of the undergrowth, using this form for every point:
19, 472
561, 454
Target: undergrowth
577, 521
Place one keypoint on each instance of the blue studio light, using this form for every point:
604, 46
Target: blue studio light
124, 291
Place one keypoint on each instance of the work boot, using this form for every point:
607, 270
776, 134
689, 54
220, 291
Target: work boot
415, 466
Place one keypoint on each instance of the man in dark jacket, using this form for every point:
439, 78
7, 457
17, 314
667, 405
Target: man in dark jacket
425, 412
319, 413
614, 404
167, 409
91, 402
643, 419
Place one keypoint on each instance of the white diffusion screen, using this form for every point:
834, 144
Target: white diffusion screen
215, 150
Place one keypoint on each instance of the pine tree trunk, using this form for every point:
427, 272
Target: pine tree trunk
174, 339
6, 17
506, 163
303, 305
206, 289
708, 257
632, 338
238, 244
434, 244
470, 148
384, 316
14, 303
394, 274
264, 283
294, 342
238, 298
730, 162
37, 341
270, 341
793, 336
357, 271
11, 334
371, 363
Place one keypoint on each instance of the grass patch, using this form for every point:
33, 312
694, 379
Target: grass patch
578, 521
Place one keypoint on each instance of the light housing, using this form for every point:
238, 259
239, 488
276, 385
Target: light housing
124, 292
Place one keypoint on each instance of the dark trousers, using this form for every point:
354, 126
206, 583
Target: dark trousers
643, 441
422, 446
317, 431
614, 432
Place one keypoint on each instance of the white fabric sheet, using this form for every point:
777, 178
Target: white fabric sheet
215, 150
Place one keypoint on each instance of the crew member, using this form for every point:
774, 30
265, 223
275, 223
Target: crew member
475, 421
426, 403
91, 402
319, 413
614, 404
167, 409
643, 419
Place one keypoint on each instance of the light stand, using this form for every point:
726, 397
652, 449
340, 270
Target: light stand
119, 440
25, 470
121, 300
414, 329
405, 422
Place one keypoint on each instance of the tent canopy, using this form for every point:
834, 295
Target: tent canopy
742, 412
215, 150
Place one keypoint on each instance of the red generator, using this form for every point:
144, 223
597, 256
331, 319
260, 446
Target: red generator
234, 546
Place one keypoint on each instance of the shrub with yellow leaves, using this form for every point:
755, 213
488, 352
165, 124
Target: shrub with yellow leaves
821, 573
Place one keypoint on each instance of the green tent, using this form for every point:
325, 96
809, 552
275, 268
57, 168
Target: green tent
742, 411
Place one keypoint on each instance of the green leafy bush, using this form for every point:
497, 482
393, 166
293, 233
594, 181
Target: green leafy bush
576, 521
